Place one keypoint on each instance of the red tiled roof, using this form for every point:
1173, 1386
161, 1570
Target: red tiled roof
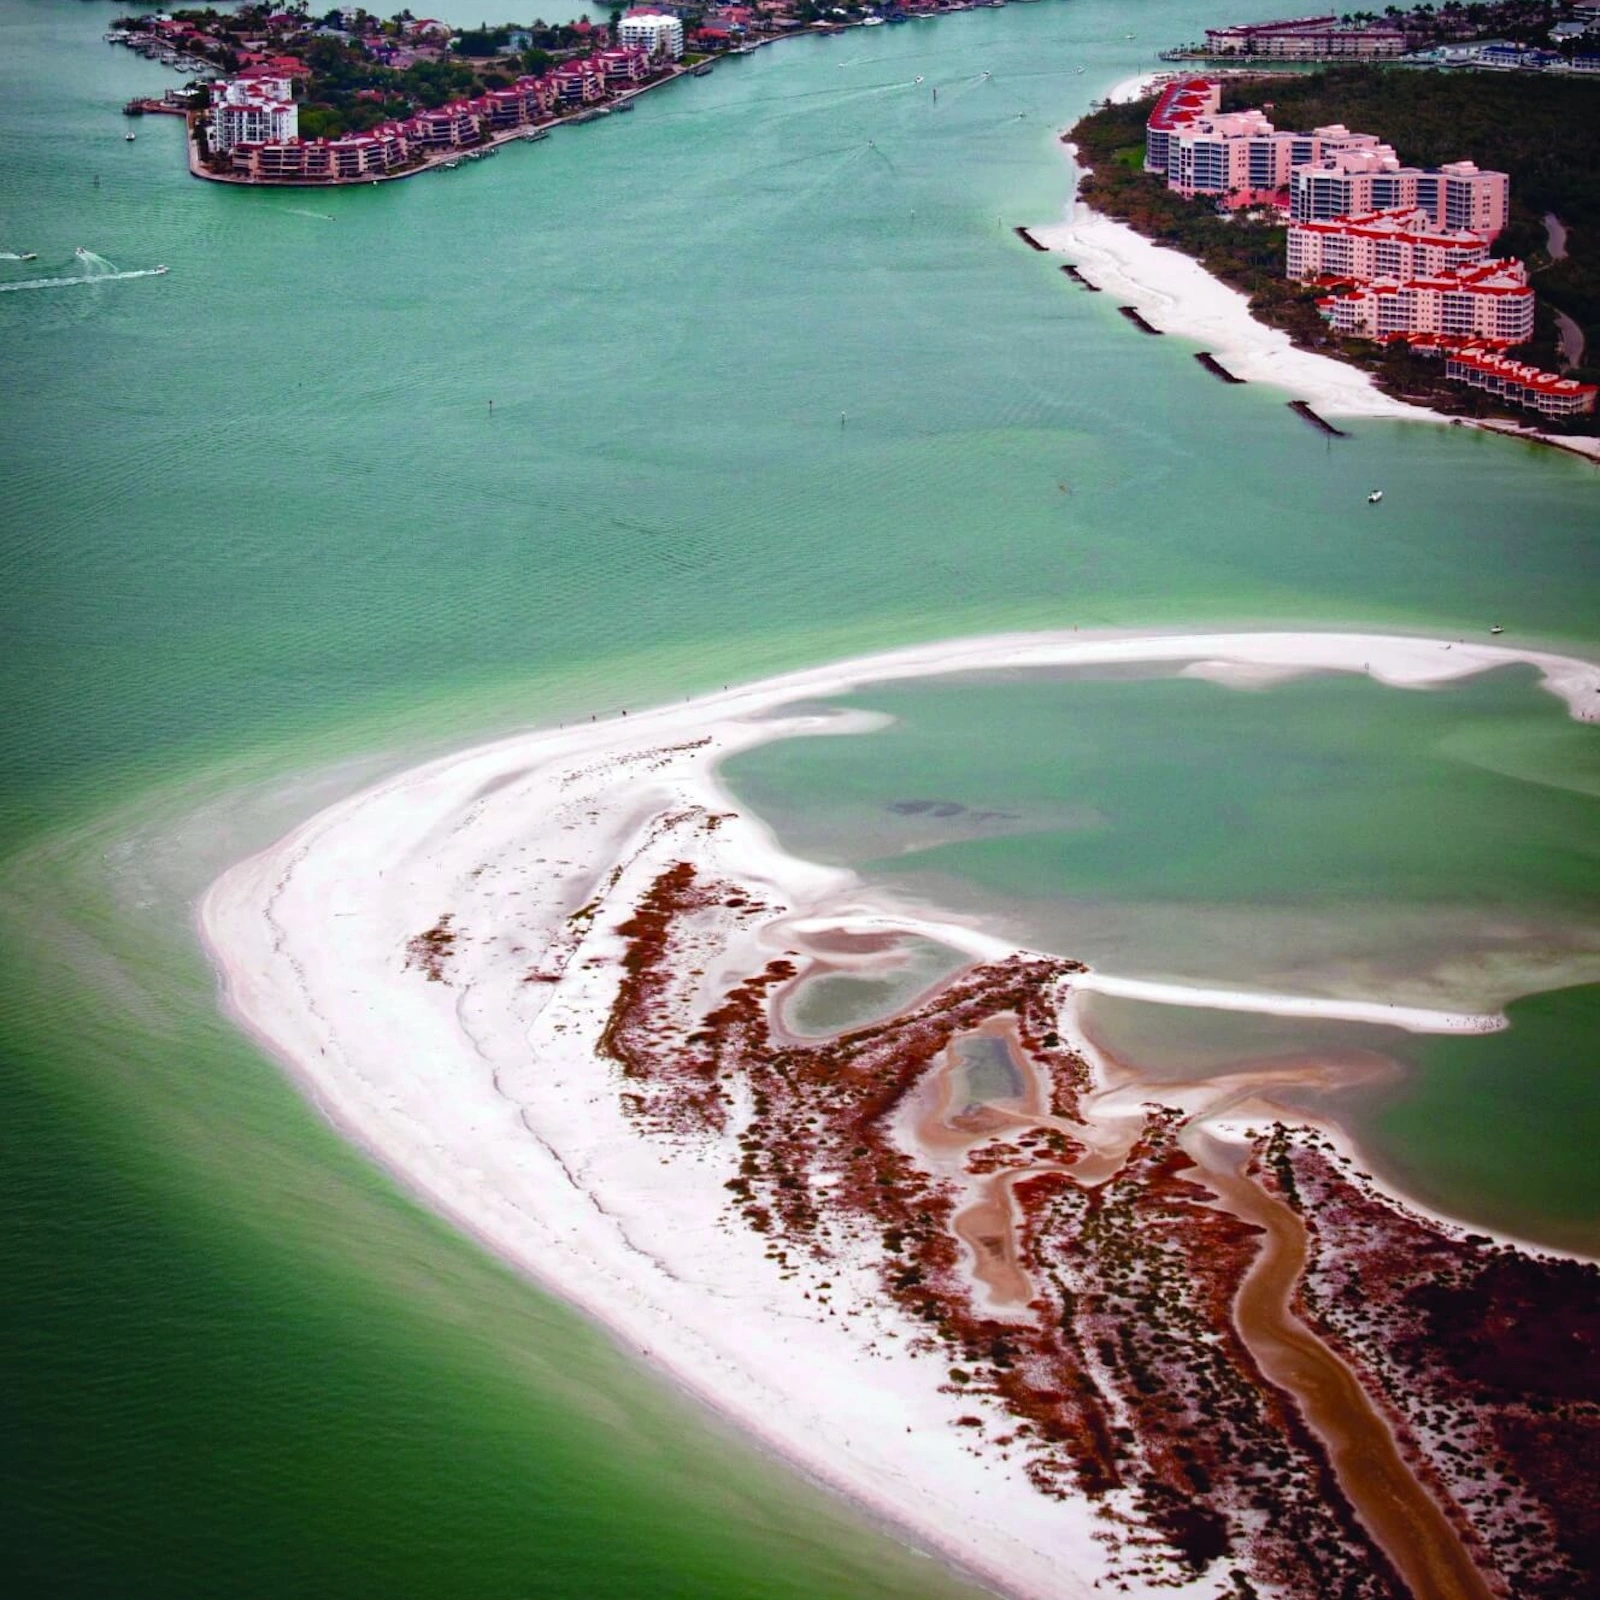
1180, 103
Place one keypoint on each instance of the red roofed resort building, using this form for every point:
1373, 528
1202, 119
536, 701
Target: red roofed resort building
1489, 304
1387, 244
1179, 105
1519, 385
1402, 251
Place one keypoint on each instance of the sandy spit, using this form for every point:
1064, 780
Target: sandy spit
485, 1094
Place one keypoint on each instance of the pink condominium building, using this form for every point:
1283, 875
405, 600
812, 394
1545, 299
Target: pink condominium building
1489, 304
1239, 156
1242, 159
1356, 182
1390, 244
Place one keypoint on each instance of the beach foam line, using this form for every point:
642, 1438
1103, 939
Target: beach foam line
1415, 1019
487, 1094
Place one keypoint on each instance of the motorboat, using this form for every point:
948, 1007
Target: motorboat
703, 70
161, 271
130, 137
1374, 497
80, 252
1497, 629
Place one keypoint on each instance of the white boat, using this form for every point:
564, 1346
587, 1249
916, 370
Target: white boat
130, 137
1374, 497
872, 22
80, 252
1497, 629
159, 271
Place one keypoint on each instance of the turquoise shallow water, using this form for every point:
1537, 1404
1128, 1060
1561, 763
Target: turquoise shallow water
260, 538
1326, 837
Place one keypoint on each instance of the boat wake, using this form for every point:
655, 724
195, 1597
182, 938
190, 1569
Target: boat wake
96, 270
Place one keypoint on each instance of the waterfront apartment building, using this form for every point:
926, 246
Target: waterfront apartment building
1243, 160
1239, 156
1308, 39
1331, 172
654, 32
1397, 245
462, 124
1519, 385
252, 112
1179, 104
1489, 304
1358, 182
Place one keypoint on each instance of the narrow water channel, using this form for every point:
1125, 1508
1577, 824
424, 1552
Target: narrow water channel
1395, 1509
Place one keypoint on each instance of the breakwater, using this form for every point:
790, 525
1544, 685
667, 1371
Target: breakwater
1029, 240
1081, 281
1301, 409
1216, 368
1132, 314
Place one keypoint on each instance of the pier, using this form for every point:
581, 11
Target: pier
1215, 367
170, 105
1301, 409
1132, 314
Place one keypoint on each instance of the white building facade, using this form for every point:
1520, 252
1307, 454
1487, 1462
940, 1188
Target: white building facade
254, 111
655, 32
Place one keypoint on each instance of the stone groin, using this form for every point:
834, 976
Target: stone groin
1300, 408
1132, 314
1215, 367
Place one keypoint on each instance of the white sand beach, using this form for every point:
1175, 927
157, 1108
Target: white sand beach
486, 1095
1174, 293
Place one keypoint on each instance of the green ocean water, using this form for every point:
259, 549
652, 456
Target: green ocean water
261, 538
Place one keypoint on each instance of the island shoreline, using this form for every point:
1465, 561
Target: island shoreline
265, 962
